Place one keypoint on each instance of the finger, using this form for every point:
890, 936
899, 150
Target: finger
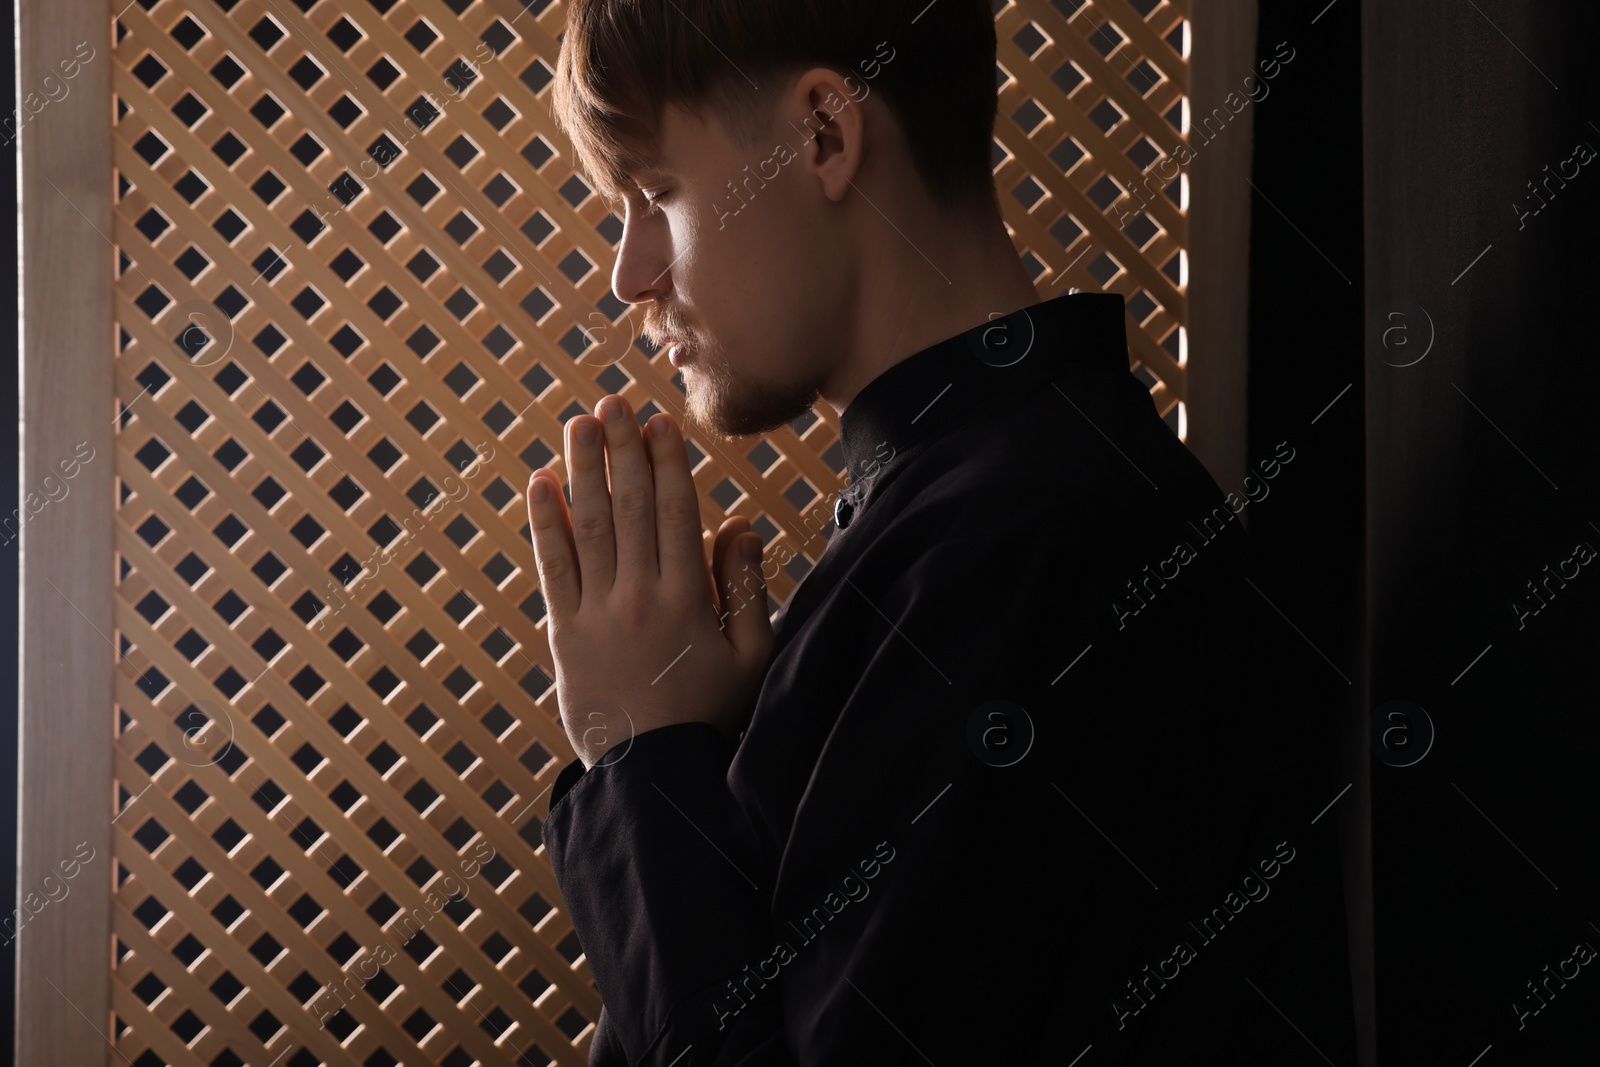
730, 529
713, 596
633, 495
680, 544
741, 581
559, 577
749, 626
592, 530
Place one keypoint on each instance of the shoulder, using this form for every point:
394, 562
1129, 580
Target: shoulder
1049, 502
1069, 455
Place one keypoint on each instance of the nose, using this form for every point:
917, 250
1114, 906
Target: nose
643, 259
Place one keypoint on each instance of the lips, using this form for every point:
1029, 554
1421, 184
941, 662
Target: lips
677, 346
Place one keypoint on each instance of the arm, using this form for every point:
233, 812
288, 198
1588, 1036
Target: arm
654, 675
664, 907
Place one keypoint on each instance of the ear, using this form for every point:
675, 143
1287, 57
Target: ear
834, 124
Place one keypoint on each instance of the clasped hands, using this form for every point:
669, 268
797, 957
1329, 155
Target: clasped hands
643, 632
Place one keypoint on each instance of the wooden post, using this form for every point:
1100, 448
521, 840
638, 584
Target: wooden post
1221, 56
66, 656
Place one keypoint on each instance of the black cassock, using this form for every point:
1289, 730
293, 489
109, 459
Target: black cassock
1037, 771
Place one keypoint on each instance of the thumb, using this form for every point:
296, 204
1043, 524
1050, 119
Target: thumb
745, 600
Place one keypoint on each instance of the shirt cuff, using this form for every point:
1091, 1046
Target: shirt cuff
644, 852
648, 743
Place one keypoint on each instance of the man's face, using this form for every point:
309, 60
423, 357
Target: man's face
741, 259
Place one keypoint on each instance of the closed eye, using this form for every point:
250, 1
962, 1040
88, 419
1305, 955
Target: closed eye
652, 201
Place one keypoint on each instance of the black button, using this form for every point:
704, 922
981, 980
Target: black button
843, 512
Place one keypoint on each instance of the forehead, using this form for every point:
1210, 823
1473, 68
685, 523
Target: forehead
681, 138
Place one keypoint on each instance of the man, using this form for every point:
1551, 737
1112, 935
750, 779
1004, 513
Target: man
1004, 781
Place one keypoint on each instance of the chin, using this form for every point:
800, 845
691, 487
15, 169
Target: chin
716, 405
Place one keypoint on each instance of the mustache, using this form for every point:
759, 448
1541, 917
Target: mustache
660, 325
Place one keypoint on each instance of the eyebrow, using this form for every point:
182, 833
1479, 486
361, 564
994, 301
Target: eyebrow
649, 172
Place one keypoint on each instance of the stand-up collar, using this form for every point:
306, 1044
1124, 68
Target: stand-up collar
927, 393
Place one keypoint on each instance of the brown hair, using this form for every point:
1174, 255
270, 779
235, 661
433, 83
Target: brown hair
623, 61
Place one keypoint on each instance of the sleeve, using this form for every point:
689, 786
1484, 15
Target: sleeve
664, 907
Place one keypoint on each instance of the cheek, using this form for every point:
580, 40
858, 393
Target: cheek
769, 287
724, 282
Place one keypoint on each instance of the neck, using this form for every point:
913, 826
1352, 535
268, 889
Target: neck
924, 286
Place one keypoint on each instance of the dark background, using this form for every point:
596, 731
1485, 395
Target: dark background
1422, 502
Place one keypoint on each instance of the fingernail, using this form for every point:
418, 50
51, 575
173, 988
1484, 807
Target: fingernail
659, 428
611, 409
752, 552
587, 432
541, 490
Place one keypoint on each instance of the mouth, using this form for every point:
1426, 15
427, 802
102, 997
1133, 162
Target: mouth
677, 352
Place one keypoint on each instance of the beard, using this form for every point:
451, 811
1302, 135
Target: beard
717, 403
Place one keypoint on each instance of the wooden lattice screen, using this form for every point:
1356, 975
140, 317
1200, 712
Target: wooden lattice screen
358, 289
